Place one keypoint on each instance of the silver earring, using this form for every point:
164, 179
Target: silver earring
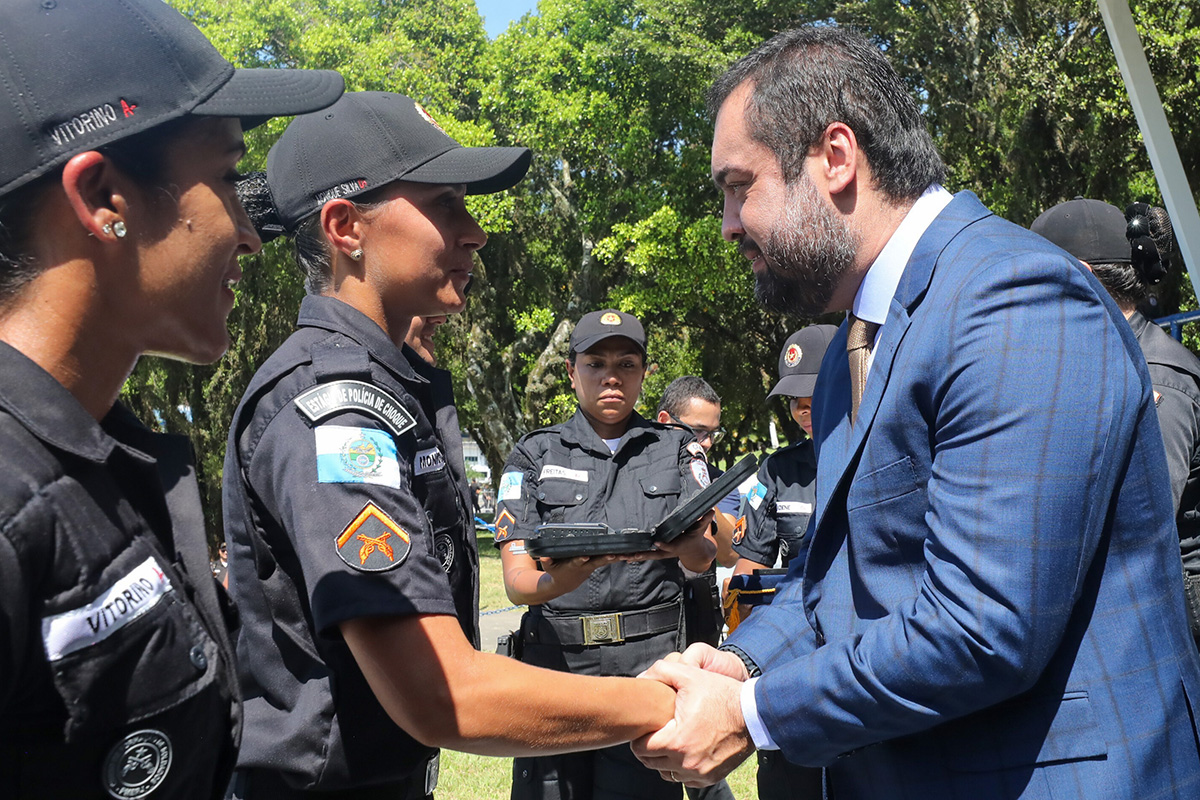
356, 254
119, 230
107, 229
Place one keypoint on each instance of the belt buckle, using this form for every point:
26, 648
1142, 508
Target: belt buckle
602, 629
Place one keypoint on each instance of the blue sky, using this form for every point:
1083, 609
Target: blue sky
498, 13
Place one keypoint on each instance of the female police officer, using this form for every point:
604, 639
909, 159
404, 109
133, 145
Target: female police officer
352, 549
119, 234
600, 615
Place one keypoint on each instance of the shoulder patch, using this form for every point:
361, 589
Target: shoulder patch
697, 450
739, 530
756, 494
510, 486
356, 455
373, 542
327, 399
700, 473
504, 524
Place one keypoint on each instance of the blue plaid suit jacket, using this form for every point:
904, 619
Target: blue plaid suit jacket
991, 606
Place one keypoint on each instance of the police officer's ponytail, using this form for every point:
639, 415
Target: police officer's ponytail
1151, 241
312, 251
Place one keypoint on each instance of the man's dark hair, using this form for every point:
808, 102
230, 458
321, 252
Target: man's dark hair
805, 79
681, 390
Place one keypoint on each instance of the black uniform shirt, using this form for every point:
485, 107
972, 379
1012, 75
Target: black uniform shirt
345, 497
1175, 373
116, 678
566, 473
778, 506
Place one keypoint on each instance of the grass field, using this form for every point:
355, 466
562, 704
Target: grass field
471, 777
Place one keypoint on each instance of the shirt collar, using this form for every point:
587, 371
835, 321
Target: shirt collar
45, 408
875, 293
331, 314
579, 430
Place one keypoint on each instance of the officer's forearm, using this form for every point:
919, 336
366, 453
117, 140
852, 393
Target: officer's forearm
445, 693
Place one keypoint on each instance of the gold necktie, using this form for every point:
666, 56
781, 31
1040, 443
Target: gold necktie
859, 340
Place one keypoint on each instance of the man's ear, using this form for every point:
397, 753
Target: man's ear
664, 417
95, 191
570, 372
839, 157
342, 223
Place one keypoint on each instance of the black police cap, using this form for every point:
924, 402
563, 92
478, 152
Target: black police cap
79, 74
800, 360
369, 139
596, 326
1090, 230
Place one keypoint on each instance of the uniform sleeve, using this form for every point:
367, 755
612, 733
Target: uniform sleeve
1179, 419
343, 493
760, 542
516, 505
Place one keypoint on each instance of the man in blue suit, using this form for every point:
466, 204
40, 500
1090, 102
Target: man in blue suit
990, 606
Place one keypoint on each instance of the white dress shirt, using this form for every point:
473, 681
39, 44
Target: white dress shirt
871, 303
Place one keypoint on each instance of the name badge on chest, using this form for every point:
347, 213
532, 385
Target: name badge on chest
563, 473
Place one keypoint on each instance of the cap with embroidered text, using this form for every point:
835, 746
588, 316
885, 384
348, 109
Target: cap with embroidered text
79, 74
370, 139
596, 326
1090, 230
800, 360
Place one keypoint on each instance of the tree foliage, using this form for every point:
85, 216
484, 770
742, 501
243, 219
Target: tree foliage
1024, 99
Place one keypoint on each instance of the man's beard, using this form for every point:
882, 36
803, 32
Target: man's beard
806, 254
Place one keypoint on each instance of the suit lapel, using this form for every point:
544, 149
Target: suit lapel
839, 443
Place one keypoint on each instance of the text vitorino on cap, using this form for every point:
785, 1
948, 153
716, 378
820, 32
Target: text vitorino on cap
76, 75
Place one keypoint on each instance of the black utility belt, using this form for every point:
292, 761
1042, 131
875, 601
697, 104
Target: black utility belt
614, 628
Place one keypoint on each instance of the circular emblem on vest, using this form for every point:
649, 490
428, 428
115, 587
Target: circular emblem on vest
360, 457
443, 546
793, 355
137, 765
610, 319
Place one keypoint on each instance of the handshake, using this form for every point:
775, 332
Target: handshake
707, 737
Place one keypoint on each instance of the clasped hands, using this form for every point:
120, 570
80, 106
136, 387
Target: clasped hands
707, 737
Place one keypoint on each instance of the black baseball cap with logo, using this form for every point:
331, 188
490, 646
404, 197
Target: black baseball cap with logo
79, 74
800, 360
596, 326
369, 139
1090, 230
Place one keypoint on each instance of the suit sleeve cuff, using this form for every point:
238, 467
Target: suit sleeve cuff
754, 724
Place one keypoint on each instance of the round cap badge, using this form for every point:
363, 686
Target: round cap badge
610, 319
793, 355
137, 765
